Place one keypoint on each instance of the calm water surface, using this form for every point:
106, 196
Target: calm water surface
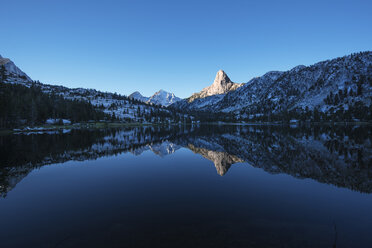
207, 186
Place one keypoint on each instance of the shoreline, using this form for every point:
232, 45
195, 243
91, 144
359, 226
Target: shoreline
100, 125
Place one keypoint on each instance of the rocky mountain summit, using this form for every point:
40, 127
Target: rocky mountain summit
221, 85
210, 95
11, 70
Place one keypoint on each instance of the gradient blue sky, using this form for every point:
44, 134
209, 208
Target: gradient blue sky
178, 46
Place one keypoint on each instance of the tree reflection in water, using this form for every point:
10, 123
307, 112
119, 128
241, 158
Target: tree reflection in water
338, 155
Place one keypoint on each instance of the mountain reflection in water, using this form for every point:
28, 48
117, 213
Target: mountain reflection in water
338, 155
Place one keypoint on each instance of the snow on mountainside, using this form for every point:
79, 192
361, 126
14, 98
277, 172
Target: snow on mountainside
118, 106
332, 87
343, 80
337, 89
161, 97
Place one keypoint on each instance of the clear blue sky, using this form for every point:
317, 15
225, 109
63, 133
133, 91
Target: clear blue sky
178, 46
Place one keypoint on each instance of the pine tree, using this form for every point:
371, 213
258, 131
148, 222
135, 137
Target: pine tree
359, 90
3, 73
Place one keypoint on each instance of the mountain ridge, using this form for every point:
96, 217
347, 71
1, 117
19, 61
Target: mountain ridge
340, 87
160, 97
115, 107
305, 86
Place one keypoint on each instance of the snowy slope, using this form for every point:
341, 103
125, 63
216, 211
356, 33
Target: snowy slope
305, 86
330, 86
163, 98
118, 106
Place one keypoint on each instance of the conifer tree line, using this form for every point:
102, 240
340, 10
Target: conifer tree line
28, 105
20, 105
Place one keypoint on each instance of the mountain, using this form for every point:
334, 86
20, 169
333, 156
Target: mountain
337, 89
221, 85
11, 70
328, 86
161, 97
118, 107
210, 95
333, 90
138, 96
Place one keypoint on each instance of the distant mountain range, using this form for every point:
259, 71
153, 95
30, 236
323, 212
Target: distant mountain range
161, 97
221, 85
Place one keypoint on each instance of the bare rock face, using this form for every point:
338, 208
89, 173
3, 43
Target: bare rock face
12, 70
221, 85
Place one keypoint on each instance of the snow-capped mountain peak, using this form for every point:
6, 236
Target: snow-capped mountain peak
164, 98
160, 97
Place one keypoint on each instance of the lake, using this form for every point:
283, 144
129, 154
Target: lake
187, 186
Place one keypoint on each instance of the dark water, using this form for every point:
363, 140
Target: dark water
208, 186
